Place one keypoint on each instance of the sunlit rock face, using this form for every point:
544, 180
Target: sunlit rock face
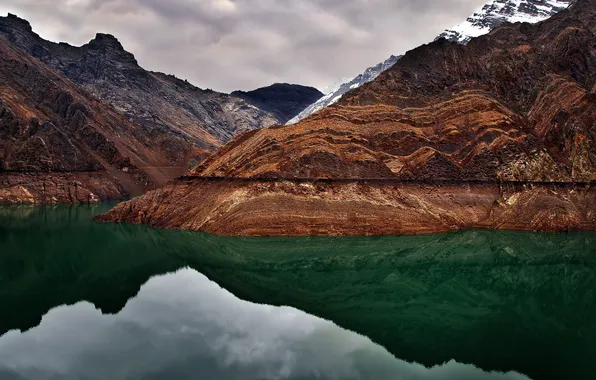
184, 326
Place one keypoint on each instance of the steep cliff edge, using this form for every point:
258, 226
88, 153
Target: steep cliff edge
499, 133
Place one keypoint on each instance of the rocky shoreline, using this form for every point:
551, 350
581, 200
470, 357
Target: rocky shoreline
59, 188
287, 208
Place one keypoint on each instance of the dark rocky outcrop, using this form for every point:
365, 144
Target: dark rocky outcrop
281, 99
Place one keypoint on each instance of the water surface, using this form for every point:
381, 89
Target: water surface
501, 301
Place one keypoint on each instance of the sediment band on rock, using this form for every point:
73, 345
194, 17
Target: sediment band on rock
289, 208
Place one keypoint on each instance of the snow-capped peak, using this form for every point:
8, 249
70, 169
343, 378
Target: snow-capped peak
490, 16
498, 12
335, 85
336, 92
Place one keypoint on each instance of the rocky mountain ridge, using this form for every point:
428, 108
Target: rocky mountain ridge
498, 12
59, 144
333, 96
171, 110
86, 124
492, 15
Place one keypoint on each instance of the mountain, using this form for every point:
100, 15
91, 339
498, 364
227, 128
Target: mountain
498, 133
281, 99
60, 144
334, 94
167, 107
492, 15
155, 123
498, 12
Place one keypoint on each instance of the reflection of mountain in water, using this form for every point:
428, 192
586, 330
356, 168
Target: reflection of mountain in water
183, 326
500, 300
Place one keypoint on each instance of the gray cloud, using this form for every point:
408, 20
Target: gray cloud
244, 44
184, 326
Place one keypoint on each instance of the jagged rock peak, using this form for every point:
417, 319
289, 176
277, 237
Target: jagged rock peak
106, 39
107, 44
497, 12
16, 21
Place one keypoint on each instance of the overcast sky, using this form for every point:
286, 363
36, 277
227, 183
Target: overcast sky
244, 44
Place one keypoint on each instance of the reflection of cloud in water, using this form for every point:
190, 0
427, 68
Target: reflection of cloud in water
183, 326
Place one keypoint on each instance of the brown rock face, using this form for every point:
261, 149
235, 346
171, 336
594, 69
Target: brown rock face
59, 188
290, 208
48, 125
496, 134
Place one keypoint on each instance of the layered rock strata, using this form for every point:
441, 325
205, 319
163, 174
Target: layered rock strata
289, 208
499, 133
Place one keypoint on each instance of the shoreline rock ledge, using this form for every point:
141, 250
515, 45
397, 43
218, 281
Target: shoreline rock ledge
288, 208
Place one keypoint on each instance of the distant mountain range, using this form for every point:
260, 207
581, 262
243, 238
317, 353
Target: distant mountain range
492, 15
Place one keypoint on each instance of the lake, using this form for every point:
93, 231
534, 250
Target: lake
83, 300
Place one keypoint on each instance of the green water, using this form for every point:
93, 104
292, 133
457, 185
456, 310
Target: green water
498, 300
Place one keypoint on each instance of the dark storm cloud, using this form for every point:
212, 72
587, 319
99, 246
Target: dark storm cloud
244, 44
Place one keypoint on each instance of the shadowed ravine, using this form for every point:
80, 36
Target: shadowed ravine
506, 301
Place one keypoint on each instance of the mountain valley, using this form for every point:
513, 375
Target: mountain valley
88, 124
